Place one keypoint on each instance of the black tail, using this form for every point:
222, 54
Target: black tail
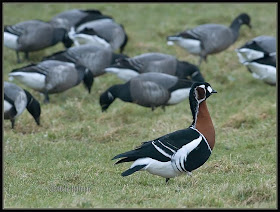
29, 68
132, 170
131, 153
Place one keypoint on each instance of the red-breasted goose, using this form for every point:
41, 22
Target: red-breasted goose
209, 38
16, 100
52, 76
181, 151
150, 89
127, 68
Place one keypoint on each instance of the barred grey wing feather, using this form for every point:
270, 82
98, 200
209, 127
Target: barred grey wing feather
147, 93
214, 37
61, 78
164, 80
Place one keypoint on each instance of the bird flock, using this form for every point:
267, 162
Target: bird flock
95, 44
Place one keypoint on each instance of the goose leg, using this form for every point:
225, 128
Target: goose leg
163, 107
200, 61
47, 99
13, 123
167, 179
26, 56
18, 58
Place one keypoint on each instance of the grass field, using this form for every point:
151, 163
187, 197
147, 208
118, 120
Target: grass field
66, 162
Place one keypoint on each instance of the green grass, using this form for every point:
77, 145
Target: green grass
76, 141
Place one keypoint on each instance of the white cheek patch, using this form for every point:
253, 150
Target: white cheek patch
209, 89
202, 86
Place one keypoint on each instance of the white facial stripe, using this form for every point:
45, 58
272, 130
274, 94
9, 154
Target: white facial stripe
209, 89
110, 95
202, 86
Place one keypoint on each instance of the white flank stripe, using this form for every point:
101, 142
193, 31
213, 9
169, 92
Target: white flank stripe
161, 151
181, 155
166, 146
203, 138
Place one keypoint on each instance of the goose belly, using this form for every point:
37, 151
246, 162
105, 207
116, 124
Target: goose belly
178, 96
163, 169
10, 40
246, 55
263, 72
33, 80
191, 45
123, 74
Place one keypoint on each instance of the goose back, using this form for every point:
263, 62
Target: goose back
151, 89
73, 17
60, 76
96, 59
154, 62
213, 37
107, 29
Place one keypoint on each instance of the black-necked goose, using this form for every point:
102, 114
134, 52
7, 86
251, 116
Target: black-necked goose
209, 38
257, 48
71, 18
16, 100
102, 31
127, 68
33, 35
259, 56
149, 90
52, 76
93, 57
181, 151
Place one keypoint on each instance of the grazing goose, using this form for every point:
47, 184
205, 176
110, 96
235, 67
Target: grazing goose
259, 56
263, 69
102, 31
52, 76
209, 38
149, 90
70, 18
93, 57
127, 68
16, 100
257, 48
33, 35
181, 151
